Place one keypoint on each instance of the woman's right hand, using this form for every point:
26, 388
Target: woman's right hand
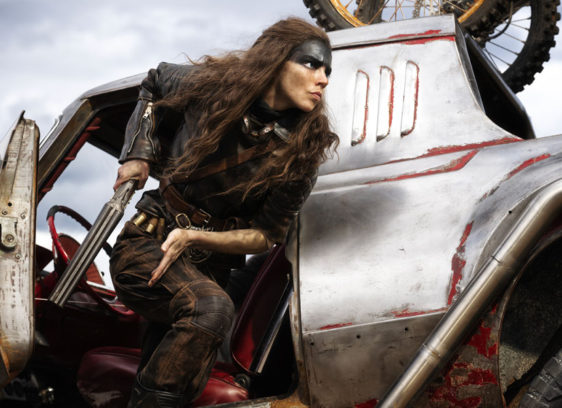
136, 168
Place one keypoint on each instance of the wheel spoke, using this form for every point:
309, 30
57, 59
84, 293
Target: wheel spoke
503, 48
498, 58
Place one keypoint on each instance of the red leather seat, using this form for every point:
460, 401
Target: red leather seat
106, 374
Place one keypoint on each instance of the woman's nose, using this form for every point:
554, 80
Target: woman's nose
321, 77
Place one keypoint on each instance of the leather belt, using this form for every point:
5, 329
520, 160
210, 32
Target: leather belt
188, 215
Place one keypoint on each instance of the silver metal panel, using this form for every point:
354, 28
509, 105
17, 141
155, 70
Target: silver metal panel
398, 222
423, 78
347, 360
394, 31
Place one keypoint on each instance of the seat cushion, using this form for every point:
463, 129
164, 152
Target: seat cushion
106, 376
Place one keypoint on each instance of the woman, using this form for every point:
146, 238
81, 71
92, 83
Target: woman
239, 140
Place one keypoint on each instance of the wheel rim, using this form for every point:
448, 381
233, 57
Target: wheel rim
507, 40
365, 12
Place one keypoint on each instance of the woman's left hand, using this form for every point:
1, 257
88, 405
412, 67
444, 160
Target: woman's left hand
176, 242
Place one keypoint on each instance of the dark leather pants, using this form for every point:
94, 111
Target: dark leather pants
189, 314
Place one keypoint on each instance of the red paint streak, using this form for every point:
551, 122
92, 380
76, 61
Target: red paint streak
70, 156
457, 264
426, 40
367, 404
480, 341
335, 326
526, 164
415, 99
451, 149
391, 101
428, 32
366, 117
454, 165
407, 313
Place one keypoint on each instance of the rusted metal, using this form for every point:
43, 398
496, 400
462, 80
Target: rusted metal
17, 252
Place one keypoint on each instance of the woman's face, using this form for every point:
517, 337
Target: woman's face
302, 79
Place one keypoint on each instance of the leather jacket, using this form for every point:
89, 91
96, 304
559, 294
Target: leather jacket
158, 137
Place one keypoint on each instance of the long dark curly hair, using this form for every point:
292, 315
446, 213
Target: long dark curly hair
225, 87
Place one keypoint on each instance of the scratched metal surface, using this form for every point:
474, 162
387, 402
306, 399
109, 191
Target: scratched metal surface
395, 227
17, 216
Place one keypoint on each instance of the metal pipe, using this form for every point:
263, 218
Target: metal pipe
492, 279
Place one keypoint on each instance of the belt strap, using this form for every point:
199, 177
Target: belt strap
226, 162
175, 204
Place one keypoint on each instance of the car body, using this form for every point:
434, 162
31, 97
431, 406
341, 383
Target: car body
436, 171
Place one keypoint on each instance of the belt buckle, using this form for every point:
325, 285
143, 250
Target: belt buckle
207, 217
183, 221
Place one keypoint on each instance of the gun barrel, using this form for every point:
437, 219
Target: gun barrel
105, 223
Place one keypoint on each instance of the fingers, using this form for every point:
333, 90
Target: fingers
138, 169
172, 248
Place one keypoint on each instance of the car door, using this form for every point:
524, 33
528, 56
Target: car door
18, 166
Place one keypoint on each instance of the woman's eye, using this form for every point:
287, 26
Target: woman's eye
309, 64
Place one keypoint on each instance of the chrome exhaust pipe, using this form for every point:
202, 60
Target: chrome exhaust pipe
492, 279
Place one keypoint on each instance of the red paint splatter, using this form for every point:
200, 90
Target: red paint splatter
480, 341
335, 326
428, 32
407, 313
367, 404
454, 380
457, 264
526, 164
454, 165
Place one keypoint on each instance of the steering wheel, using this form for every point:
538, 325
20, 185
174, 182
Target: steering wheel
64, 248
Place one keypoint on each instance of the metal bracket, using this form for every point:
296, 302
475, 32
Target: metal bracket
8, 232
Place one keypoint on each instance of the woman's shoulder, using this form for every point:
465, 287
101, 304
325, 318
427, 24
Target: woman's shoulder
166, 78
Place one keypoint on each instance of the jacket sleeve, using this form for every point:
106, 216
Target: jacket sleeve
141, 141
281, 207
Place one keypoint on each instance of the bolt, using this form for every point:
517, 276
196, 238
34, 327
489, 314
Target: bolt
9, 237
18, 256
22, 215
4, 212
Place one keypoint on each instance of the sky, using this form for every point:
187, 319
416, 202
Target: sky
53, 51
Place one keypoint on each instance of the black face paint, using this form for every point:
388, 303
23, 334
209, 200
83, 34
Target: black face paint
314, 54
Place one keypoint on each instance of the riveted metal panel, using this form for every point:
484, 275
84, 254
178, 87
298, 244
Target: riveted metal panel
17, 250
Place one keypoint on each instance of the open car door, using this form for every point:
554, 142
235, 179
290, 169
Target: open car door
18, 160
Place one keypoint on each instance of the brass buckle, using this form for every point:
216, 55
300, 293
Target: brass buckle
183, 221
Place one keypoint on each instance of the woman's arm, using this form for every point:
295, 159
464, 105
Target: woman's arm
245, 241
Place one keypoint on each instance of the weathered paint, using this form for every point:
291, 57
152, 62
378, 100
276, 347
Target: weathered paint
70, 156
407, 313
526, 164
425, 33
453, 165
366, 109
470, 146
480, 341
457, 264
335, 326
426, 40
367, 404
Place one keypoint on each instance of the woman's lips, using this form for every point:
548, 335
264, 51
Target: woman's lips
317, 95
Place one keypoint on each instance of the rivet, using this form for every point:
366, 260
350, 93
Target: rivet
4, 212
18, 256
9, 237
